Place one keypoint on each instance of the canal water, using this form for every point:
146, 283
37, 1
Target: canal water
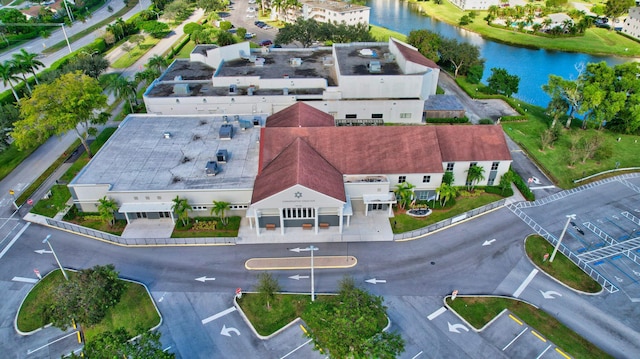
532, 66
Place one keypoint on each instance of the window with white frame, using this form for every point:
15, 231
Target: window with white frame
450, 167
298, 213
494, 166
405, 115
426, 179
402, 179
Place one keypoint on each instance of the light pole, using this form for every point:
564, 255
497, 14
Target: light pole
564, 230
309, 249
46, 240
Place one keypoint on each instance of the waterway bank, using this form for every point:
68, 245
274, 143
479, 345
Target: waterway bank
595, 41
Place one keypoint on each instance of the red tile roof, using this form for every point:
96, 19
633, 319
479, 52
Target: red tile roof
472, 143
362, 150
300, 115
414, 55
300, 164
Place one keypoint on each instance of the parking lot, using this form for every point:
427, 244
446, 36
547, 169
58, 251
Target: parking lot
604, 234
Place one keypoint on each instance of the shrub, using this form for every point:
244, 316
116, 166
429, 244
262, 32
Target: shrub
508, 192
448, 120
486, 121
522, 187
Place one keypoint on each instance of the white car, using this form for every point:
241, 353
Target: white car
250, 15
251, 9
252, 1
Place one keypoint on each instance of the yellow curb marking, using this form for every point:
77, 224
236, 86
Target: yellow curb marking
300, 262
539, 336
563, 354
304, 329
515, 319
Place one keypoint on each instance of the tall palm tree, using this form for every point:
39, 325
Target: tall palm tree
125, 89
22, 70
219, 208
404, 191
181, 208
475, 174
147, 76
107, 207
8, 75
446, 192
30, 61
157, 62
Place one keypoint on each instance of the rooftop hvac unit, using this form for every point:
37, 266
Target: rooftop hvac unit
250, 90
226, 132
166, 135
295, 61
212, 168
225, 119
222, 156
375, 67
233, 89
389, 56
327, 61
259, 61
256, 121
285, 91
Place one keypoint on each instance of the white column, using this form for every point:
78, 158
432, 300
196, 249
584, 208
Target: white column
315, 218
340, 220
281, 211
366, 209
257, 222
126, 215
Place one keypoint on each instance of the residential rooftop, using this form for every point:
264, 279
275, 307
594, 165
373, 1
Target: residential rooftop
150, 153
337, 6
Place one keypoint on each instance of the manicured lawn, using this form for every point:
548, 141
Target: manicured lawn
55, 203
406, 223
205, 228
594, 41
383, 34
478, 311
135, 308
93, 220
562, 268
11, 158
284, 309
136, 52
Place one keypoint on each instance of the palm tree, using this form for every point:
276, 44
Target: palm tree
8, 75
219, 208
107, 207
21, 69
147, 76
181, 207
547, 22
446, 192
29, 61
404, 191
124, 89
157, 62
475, 174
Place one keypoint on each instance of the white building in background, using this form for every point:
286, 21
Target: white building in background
338, 12
475, 4
356, 83
631, 25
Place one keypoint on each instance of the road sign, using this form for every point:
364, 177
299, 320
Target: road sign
454, 294
37, 272
30, 201
12, 192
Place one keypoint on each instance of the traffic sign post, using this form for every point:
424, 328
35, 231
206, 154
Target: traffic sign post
545, 257
37, 272
13, 195
454, 294
238, 293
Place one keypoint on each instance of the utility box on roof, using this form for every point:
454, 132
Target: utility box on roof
226, 132
222, 156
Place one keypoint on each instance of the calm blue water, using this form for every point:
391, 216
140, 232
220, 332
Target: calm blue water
532, 66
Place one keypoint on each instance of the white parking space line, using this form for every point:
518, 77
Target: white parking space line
417, 355
6, 249
544, 351
294, 350
46, 345
25, 280
216, 316
525, 283
435, 314
516, 338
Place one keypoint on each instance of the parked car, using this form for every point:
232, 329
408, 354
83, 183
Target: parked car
266, 27
251, 15
260, 24
249, 35
265, 43
251, 9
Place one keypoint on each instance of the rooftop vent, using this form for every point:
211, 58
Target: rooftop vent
285, 91
250, 90
327, 61
389, 56
226, 132
222, 156
233, 89
256, 121
259, 61
367, 52
212, 168
166, 135
295, 61
244, 124
374, 67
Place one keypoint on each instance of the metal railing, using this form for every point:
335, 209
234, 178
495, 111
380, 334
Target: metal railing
133, 242
449, 221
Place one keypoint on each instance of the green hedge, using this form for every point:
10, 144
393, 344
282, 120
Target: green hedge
496, 190
522, 186
448, 120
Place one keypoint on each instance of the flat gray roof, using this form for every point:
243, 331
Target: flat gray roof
155, 153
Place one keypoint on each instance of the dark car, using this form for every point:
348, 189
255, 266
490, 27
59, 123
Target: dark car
265, 43
260, 24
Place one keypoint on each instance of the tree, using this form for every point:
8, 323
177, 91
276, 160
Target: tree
460, 55
306, 32
157, 62
404, 191
28, 61
85, 297
219, 208
506, 180
616, 8
8, 75
155, 28
225, 38
502, 82
124, 88
92, 65
556, 108
71, 102
569, 91
267, 287
475, 174
107, 207
445, 193
181, 208
448, 178
427, 42
8, 115
349, 325
118, 344
147, 76
602, 97
211, 5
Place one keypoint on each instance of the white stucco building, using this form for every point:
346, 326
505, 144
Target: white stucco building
631, 25
357, 83
475, 4
335, 12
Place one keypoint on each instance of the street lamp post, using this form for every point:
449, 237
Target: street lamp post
46, 240
309, 249
564, 230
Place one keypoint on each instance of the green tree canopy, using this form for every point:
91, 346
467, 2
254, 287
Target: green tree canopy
616, 8
427, 42
220, 208
306, 32
461, 55
118, 344
350, 324
267, 287
502, 82
70, 103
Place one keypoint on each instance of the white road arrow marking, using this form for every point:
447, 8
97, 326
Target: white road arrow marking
454, 327
375, 281
550, 294
298, 249
227, 331
488, 243
298, 277
204, 279
218, 315
43, 251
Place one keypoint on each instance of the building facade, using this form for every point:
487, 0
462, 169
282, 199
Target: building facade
475, 4
631, 25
